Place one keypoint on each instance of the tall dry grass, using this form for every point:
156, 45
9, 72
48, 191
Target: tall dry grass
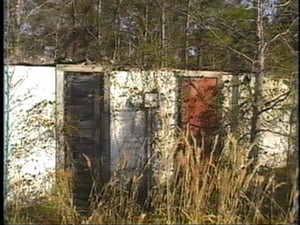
57, 208
215, 189
222, 189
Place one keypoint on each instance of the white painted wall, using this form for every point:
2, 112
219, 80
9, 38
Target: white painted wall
127, 122
31, 157
276, 122
128, 126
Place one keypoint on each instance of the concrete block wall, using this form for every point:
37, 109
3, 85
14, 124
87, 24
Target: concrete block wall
32, 150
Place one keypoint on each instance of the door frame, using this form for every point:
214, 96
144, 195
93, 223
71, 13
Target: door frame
60, 81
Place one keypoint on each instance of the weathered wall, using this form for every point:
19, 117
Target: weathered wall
30, 130
130, 117
129, 121
277, 123
31, 120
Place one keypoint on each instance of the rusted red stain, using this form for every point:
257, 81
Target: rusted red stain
199, 105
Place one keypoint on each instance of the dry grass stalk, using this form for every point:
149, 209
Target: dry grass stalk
201, 190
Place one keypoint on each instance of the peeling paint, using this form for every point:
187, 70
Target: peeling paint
130, 118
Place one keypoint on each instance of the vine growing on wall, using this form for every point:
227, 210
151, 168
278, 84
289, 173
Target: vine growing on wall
31, 141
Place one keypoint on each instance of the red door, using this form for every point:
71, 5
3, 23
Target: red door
199, 108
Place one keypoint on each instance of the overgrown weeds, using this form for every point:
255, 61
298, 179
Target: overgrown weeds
57, 208
213, 189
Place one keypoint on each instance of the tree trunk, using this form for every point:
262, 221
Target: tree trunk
163, 34
99, 14
186, 34
235, 105
145, 34
73, 50
17, 46
259, 69
146, 21
116, 52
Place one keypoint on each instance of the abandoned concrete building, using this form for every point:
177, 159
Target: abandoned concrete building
110, 119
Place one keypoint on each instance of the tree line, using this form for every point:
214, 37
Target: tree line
186, 34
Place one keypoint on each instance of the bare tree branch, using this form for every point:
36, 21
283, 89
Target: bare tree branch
274, 102
282, 5
282, 33
273, 132
35, 10
289, 46
208, 28
263, 130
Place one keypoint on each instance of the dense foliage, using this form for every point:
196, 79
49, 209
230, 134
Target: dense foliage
214, 35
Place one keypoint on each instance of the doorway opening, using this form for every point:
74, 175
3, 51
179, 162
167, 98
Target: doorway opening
86, 133
199, 110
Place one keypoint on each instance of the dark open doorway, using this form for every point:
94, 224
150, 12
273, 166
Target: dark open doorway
86, 126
